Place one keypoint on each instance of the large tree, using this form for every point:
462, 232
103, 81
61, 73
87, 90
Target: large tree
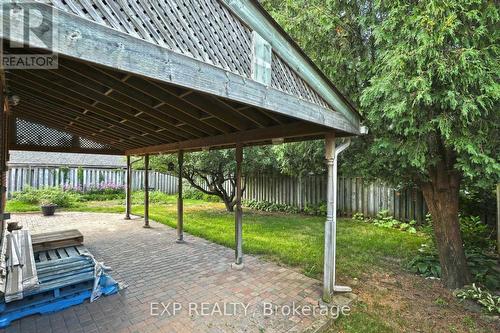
433, 107
213, 172
425, 75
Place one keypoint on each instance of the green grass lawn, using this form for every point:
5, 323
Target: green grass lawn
291, 239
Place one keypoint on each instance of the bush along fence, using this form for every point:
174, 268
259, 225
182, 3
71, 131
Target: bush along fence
354, 196
19, 178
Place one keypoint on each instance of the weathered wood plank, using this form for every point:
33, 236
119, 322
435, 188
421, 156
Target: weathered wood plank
246, 137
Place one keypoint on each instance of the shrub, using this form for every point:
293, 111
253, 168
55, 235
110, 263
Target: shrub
359, 217
100, 192
481, 265
426, 262
491, 303
270, 206
194, 194
476, 234
318, 210
385, 220
53, 195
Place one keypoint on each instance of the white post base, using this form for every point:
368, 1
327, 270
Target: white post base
342, 289
237, 267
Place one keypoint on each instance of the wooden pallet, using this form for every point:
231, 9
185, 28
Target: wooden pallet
55, 240
66, 278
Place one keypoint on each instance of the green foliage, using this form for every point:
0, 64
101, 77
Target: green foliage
360, 217
213, 172
385, 220
476, 234
64, 170
490, 302
318, 210
479, 251
47, 195
435, 90
482, 266
300, 158
266, 206
101, 196
426, 262
194, 194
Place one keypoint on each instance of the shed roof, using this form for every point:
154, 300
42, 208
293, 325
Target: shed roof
146, 76
34, 158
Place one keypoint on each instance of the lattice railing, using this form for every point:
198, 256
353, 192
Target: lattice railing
203, 29
286, 79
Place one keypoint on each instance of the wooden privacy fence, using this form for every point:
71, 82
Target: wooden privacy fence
20, 178
354, 195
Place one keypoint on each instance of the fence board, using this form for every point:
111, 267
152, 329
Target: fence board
354, 194
20, 178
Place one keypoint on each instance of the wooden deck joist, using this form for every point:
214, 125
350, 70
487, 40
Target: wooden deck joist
255, 136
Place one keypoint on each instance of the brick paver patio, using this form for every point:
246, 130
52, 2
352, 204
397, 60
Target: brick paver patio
196, 276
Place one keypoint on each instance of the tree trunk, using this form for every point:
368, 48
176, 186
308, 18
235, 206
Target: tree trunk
229, 205
441, 195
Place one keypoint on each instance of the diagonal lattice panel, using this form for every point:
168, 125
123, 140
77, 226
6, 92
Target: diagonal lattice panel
287, 80
30, 133
202, 29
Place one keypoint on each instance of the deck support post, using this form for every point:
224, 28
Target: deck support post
4, 157
238, 212
146, 191
331, 154
180, 204
128, 189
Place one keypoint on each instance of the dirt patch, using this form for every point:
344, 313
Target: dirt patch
409, 303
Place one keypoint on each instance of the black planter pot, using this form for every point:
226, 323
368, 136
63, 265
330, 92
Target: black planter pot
48, 210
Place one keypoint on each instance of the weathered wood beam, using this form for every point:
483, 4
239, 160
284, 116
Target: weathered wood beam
136, 99
91, 42
209, 106
76, 115
259, 118
296, 129
174, 106
104, 102
45, 89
